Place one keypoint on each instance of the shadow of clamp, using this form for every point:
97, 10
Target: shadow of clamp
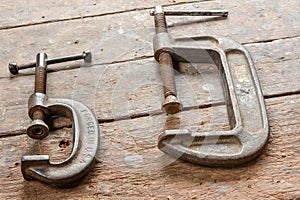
84, 126
243, 96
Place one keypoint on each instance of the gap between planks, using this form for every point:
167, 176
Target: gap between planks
96, 15
155, 113
124, 118
270, 40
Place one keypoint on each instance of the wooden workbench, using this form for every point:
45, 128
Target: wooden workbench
123, 88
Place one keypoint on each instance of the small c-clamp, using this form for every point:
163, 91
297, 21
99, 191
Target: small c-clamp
84, 124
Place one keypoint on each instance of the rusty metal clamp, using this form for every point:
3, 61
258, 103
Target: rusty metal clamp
84, 124
243, 96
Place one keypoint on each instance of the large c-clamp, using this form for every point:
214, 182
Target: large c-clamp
243, 96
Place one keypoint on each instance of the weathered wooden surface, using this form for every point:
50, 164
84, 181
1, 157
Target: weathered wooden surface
138, 86
107, 36
130, 166
26, 13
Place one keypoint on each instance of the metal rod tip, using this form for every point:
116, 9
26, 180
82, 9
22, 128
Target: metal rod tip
156, 10
13, 68
87, 56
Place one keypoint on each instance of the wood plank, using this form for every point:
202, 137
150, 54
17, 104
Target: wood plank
137, 86
128, 36
277, 63
130, 165
25, 13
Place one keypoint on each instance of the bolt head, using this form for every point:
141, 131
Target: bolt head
13, 68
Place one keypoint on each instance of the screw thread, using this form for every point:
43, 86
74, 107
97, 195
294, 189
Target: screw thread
40, 80
160, 23
167, 74
40, 73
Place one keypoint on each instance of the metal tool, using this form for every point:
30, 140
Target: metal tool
243, 96
14, 67
84, 124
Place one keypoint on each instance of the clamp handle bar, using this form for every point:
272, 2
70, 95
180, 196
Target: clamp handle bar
159, 9
86, 56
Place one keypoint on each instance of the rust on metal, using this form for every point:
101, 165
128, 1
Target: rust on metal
243, 96
171, 104
85, 130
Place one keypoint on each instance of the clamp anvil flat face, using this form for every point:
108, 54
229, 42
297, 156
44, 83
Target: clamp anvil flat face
243, 96
84, 124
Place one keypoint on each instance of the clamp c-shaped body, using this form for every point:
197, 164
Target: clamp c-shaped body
84, 124
85, 144
243, 97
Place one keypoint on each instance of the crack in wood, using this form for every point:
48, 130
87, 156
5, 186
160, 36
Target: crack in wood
95, 15
270, 40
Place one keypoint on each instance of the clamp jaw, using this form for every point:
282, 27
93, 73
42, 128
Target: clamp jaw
243, 97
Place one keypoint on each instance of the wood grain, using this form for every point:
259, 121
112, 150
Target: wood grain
131, 89
123, 87
26, 13
128, 36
